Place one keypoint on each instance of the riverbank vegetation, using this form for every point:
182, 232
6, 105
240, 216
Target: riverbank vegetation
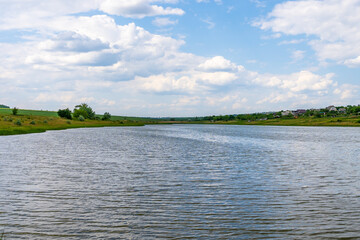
329, 116
35, 121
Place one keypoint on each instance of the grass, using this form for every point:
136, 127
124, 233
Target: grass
26, 112
8, 111
301, 121
22, 123
36, 121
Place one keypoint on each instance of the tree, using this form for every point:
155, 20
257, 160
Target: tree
15, 111
65, 113
106, 116
84, 110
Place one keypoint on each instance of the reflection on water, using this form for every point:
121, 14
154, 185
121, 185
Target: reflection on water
181, 181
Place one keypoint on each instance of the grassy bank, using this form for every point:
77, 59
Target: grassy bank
29, 121
302, 121
36, 121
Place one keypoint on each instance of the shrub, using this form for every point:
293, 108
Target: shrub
15, 111
68, 122
106, 116
65, 113
32, 122
81, 118
45, 121
84, 110
18, 122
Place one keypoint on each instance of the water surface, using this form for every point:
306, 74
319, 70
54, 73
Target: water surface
181, 182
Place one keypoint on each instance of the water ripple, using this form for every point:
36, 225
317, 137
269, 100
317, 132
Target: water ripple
181, 182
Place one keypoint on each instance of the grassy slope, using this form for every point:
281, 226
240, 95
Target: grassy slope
8, 111
33, 121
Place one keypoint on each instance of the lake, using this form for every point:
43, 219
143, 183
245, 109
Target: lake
181, 182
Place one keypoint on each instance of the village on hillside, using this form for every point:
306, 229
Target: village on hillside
330, 111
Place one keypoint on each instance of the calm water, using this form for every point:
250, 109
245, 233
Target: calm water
181, 182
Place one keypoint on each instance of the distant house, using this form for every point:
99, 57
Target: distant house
286, 113
342, 110
301, 111
331, 108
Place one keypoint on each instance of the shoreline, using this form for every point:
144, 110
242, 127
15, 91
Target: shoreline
22, 131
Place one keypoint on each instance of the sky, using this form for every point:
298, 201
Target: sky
162, 58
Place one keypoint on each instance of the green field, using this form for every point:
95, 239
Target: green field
34, 121
8, 111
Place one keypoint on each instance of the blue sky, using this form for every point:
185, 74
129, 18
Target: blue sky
179, 57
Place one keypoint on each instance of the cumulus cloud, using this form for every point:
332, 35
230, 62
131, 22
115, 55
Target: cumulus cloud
17, 14
347, 91
137, 8
296, 82
219, 63
279, 97
73, 42
70, 58
335, 24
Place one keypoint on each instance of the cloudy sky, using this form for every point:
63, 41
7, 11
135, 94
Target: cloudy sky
179, 57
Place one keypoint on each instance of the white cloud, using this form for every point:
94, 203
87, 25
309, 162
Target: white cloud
219, 63
137, 8
355, 62
219, 2
161, 22
73, 42
258, 3
68, 59
297, 55
335, 24
18, 14
347, 91
209, 22
296, 82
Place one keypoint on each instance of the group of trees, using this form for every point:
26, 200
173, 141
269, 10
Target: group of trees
82, 112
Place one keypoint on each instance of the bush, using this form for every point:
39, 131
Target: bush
45, 121
68, 122
81, 118
15, 111
32, 122
84, 110
106, 117
18, 122
65, 113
